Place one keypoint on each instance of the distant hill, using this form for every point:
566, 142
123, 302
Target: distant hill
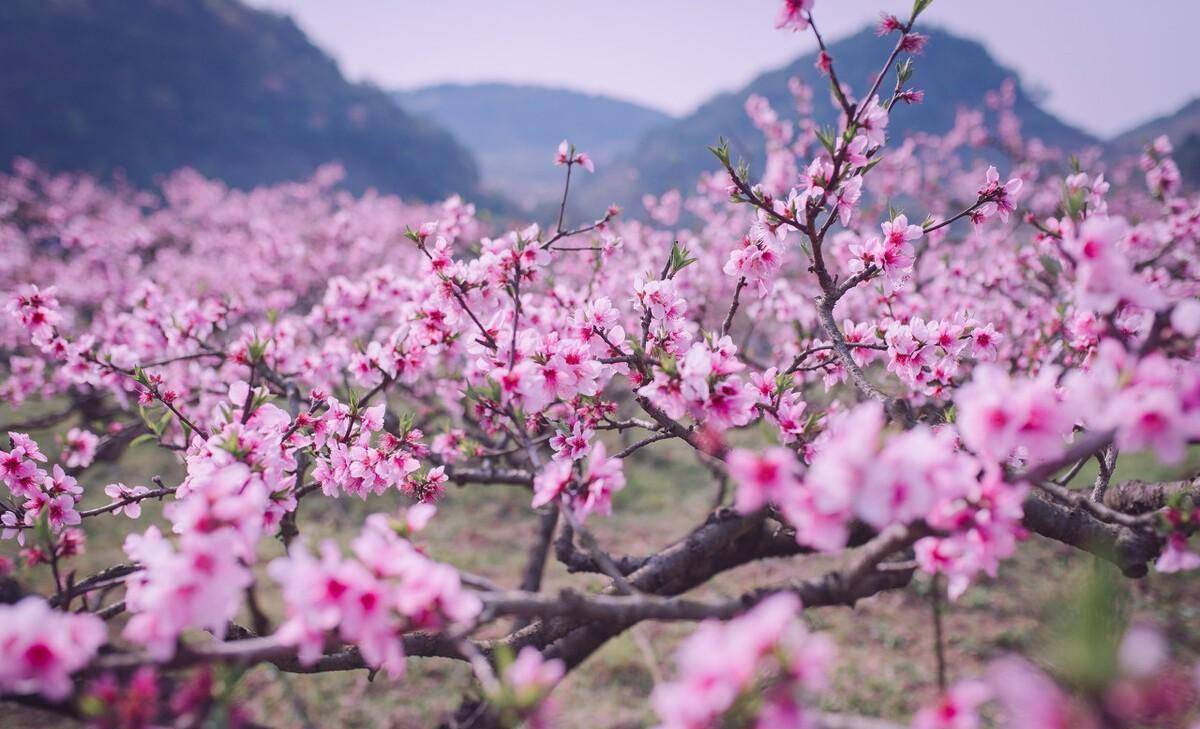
513, 130
1183, 127
1187, 156
954, 73
1178, 126
148, 86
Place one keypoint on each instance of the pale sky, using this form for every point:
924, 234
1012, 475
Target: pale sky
1105, 65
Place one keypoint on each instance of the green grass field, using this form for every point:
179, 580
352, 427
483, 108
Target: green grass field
887, 659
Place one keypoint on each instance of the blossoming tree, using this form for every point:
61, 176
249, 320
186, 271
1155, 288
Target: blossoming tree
888, 350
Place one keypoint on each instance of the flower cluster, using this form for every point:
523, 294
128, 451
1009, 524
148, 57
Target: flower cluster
1142, 688
766, 653
41, 647
893, 253
583, 495
149, 699
525, 682
1150, 403
927, 356
50, 496
387, 587
703, 385
198, 584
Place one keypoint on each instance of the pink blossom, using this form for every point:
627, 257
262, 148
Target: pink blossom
1177, 556
530, 670
762, 478
757, 261
958, 708
790, 417
568, 156
1104, 276
387, 588
604, 477
793, 15
1000, 199
197, 585
1143, 651
719, 662
873, 121
997, 416
40, 648
551, 482
1027, 696
79, 448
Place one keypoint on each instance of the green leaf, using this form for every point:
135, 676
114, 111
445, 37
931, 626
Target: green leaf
406, 423
721, 151
1074, 202
151, 424
1051, 264
669, 365
1090, 629
141, 439
41, 529
257, 349
826, 136
743, 170
680, 259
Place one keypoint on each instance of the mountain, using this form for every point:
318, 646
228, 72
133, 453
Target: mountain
147, 86
514, 130
1183, 127
954, 72
1178, 126
1187, 156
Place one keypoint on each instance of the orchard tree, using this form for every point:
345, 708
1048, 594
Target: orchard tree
897, 352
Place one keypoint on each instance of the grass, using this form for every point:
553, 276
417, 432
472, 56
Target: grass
886, 644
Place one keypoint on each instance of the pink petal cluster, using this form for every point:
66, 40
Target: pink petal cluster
999, 416
1104, 275
1151, 402
371, 599
927, 356
198, 584
41, 647
525, 685
51, 496
119, 492
983, 526
957, 708
583, 495
1001, 197
793, 15
567, 155
704, 386
721, 662
893, 253
79, 448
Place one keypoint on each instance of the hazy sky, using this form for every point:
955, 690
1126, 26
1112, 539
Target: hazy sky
1105, 65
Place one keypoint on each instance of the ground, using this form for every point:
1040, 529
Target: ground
887, 665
